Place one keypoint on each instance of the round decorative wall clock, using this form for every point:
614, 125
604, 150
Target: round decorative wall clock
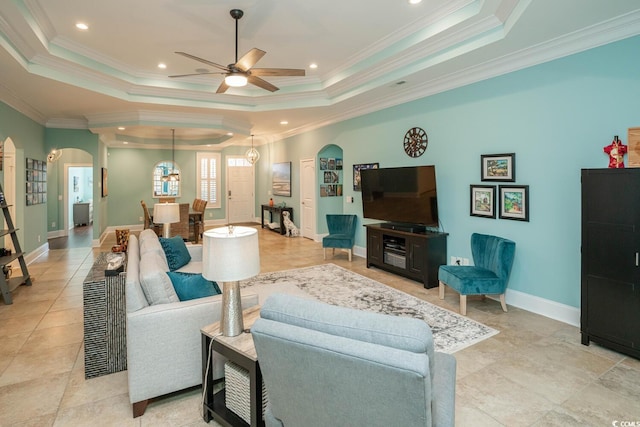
415, 142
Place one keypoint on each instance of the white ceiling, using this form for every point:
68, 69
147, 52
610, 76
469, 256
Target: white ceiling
370, 55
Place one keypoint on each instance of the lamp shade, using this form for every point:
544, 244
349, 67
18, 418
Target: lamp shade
230, 254
166, 213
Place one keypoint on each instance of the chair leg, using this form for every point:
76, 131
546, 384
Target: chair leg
441, 290
324, 253
333, 252
463, 305
503, 302
349, 254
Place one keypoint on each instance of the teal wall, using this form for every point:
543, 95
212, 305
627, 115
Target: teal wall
28, 137
556, 117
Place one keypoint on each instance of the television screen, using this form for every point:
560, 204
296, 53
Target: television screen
402, 195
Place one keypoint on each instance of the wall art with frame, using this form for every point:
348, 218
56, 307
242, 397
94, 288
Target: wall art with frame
36, 182
281, 180
514, 202
356, 173
483, 201
498, 167
105, 188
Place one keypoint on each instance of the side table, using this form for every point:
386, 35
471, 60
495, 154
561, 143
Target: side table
105, 320
241, 351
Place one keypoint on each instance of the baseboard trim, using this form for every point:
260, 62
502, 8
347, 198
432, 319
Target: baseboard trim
544, 307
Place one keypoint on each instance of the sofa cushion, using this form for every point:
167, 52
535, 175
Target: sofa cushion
191, 286
175, 251
155, 282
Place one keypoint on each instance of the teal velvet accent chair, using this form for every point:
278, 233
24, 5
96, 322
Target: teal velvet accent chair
342, 233
492, 258
325, 365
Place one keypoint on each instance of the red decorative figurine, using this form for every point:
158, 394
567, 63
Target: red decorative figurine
616, 151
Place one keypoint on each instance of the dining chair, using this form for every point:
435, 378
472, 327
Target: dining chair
196, 222
148, 222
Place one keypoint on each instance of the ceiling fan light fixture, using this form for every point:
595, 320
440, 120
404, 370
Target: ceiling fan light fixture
235, 80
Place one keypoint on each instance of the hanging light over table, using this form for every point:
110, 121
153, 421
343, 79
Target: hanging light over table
173, 176
252, 154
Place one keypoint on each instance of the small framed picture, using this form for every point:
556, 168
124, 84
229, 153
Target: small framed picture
514, 202
498, 167
356, 173
483, 201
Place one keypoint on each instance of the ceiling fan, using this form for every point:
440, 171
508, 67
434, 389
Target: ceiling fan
238, 74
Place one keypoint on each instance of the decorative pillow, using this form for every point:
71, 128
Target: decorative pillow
155, 283
191, 286
176, 252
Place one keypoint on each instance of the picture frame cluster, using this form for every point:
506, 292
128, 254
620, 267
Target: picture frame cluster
508, 201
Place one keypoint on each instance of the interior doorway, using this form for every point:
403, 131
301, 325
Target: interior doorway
78, 189
308, 198
240, 190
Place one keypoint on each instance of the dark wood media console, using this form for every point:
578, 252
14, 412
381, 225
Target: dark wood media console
414, 255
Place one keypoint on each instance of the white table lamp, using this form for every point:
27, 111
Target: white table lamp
230, 254
165, 214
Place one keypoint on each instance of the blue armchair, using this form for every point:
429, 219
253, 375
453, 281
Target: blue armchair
342, 233
325, 365
493, 258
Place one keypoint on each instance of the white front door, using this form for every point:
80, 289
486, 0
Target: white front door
308, 198
240, 190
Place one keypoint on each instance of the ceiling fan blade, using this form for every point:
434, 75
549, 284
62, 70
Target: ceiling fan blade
262, 83
204, 61
223, 87
277, 72
249, 59
194, 74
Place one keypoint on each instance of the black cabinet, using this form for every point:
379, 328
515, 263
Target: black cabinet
610, 300
414, 255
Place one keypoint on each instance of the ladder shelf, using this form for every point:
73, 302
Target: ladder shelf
9, 284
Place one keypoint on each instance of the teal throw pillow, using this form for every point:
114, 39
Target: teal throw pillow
191, 285
176, 252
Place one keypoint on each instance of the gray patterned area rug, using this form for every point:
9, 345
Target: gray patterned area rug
338, 286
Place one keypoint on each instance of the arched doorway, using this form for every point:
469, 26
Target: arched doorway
9, 186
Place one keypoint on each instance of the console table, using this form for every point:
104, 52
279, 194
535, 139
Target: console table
278, 210
414, 255
241, 351
105, 320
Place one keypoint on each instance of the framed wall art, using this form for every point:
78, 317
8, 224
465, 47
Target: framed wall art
498, 167
514, 202
356, 173
483, 201
105, 188
36, 182
281, 180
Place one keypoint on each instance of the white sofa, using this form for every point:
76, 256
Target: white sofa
164, 351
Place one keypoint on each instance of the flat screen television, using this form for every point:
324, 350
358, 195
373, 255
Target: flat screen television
404, 196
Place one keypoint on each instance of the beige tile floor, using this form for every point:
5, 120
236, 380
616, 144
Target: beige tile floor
534, 372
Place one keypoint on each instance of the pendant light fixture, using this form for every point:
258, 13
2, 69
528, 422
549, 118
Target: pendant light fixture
252, 154
173, 176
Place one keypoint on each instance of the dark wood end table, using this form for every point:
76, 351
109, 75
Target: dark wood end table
241, 351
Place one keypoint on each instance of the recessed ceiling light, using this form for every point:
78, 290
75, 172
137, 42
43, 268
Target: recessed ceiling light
162, 65
313, 65
125, 142
414, 1
82, 26
229, 133
121, 128
284, 122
